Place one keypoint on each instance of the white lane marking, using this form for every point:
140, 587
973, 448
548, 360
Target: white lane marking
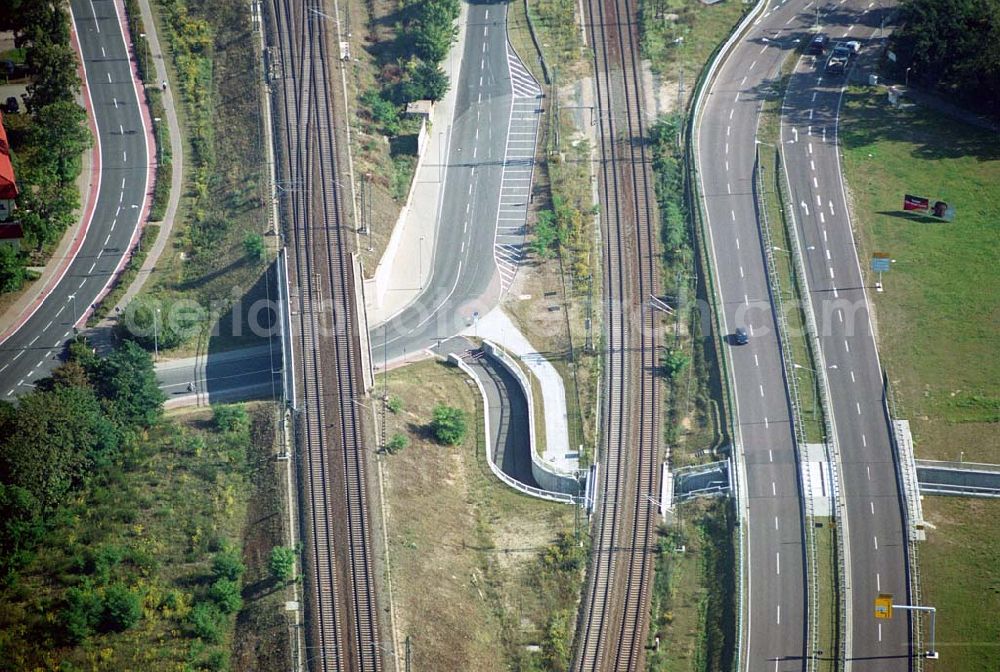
880, 632
872, 505
775, 518
741, 271
746, 302
729, 188
107, 239
484, 47
814, 97
732, 213
728, 129
830, 269
743, 81
847, 346
816, 186
104, 54
830, 203
770, 458
727, 148
868, 469
109, 78
864, 442
818, 201
878, 581
115, 101
763, 49
761, 390
766, 425
737, 242
822, 217
17, 355
876, 542
82, 283
858, 405
121, 130
487, 15
731, 113
824, 235
46, 327
32, 341
737, 95
4, 368
812, 164
828, 257
840, 315
774, 489
852, 377
777, 560
727, 165
779, 614
753, 64
755, 360
810, 148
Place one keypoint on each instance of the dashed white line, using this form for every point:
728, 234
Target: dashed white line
816, 186
852, 377
857, 405
46, 327
732, 213
822, 217
775, 518
755, 360
876, 541
741, 271
878, 581
864, 442
109, 78
779, 615
777, 557
812, 164
828, 259
872, 506
847, 346
761, 390
774, 489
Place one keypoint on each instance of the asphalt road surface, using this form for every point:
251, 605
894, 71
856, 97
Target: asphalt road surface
250, 373
32, 351
877, 535
776, 596
464, 283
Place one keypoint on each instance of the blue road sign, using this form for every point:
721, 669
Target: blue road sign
881, 264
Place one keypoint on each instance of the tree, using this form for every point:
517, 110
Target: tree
228, 564
206, 621
946, 45
161, 324
53, 442
11, 269
54, 65
674, 363
126, 382
61, 128
448, 425
122, 607
226, 594
253, 246
397, 443
20, 529
282, 563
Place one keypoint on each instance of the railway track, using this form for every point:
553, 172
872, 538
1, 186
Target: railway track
342, 615
614, 618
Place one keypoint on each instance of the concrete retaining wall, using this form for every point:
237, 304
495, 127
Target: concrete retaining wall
546, 475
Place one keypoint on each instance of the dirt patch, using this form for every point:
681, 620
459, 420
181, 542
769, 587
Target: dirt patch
462, 547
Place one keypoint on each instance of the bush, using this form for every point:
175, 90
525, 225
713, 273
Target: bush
230, 418
83, 612
253, 245
397, 443
282, 563
227, 595
122, 608
448, 425
155, 323
206, 621
228, 565
395, 404
674, 363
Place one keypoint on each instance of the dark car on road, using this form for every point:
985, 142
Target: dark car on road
817, 45
741, 337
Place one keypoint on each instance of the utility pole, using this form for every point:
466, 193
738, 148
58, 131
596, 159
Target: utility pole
408, 654
385, 385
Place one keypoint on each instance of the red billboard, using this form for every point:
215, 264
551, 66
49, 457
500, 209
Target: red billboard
938, 209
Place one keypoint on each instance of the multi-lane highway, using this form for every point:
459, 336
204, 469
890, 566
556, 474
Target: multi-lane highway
725, 133
877, 532
465, 281
725, 146
123, 145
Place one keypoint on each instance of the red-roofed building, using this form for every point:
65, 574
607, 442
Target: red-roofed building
8, 185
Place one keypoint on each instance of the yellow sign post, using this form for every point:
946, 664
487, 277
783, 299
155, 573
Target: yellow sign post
883, 606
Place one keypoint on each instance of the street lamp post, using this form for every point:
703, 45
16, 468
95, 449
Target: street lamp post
420, 262
815, 390
159, 140
75, 314
156, 344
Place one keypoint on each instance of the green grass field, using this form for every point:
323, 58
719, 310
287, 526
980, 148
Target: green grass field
937, 332
938, 316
